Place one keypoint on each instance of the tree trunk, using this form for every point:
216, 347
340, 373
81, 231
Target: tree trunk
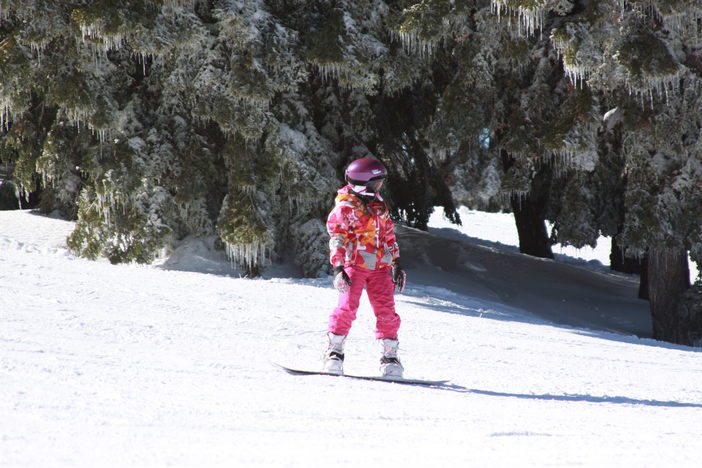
619, 261
669, 277
531, 227
529, 211
643, 280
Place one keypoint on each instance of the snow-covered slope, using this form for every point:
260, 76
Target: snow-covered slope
104, 365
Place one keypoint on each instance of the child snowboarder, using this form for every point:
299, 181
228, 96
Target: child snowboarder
364, 253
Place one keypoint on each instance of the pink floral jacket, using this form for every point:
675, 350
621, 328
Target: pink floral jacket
361, 234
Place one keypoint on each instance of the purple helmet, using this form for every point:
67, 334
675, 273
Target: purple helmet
361, 171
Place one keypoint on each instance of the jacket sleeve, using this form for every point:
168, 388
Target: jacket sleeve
390, 240
339, 230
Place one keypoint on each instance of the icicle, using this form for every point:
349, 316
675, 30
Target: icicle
255, 253
413, 44
38, 49
675, 22
143, 63
77, 116
329, 71
141, 57
496, 8
530, 19
296, 204
655, 86
108, 42
102, 135
4, 117
249, 190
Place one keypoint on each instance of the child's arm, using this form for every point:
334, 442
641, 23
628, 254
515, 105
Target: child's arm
338, 229
390, 240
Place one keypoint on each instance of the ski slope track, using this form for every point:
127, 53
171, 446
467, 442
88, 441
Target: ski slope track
120, 365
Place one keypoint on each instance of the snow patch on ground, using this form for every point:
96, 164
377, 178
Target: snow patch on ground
121, 365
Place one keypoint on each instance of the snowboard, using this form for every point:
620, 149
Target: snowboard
426, 383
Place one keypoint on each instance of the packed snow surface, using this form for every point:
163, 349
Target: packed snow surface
549, 362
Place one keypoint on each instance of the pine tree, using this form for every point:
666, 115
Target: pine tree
508, 112
653, 81
153, 120
612, 139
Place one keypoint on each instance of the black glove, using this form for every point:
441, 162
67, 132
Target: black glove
342, 282
399, 277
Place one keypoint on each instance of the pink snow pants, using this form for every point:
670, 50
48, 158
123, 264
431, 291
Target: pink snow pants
380, 289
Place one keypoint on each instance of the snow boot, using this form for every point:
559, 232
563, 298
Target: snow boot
334, 356
390, 365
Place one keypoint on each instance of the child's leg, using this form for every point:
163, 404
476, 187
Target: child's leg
344, 314
381, 292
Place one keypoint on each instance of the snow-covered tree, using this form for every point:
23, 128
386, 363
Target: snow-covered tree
153, 120
509, 123
645, 55
593, 109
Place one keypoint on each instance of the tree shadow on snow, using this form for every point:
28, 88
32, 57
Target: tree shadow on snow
508, 314
616, 400
464, 276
